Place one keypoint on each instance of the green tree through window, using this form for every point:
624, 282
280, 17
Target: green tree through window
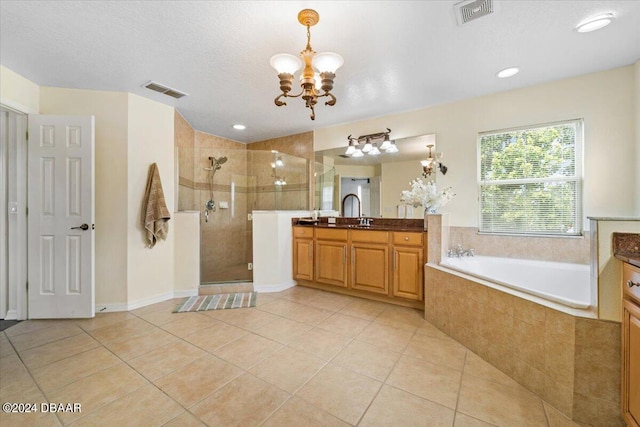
530, 180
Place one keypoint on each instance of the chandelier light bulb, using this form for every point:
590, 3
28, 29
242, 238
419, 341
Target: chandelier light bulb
327, 62
286, 63
386, 143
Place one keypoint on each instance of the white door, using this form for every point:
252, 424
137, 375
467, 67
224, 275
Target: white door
60, 217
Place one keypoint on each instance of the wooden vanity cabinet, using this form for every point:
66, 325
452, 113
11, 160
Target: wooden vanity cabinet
303, 253
631, 345
377, 264
331, 257
370, 261
407, 265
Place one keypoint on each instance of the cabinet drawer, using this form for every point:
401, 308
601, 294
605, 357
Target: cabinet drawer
407, 238
631, 276
303, 232
331, 234
368, 236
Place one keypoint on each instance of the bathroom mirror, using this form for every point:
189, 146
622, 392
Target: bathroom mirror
377, 180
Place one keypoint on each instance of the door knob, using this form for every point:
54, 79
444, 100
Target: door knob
82, 227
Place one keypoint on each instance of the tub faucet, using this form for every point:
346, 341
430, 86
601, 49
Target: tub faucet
459, 252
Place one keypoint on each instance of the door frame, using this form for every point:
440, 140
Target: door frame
17, 229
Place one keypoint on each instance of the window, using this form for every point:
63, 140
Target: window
530, 180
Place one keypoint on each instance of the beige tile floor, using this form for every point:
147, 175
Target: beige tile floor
300, 358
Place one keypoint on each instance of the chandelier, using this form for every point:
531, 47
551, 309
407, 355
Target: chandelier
433, 161
317, 75
371, 144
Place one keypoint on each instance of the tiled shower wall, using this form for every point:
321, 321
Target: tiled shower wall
245, 182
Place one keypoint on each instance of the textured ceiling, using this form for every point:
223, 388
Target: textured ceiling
399, 55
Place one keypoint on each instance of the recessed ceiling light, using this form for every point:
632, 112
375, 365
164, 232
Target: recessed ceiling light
239, 127
595, 23
508, 72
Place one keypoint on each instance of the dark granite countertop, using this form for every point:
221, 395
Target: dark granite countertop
626, 247
371, 227
377, 224
631, 258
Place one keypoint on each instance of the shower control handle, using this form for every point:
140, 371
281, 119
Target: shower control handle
631, 284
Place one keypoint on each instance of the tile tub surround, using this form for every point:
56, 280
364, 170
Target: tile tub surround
568, 249
573, 363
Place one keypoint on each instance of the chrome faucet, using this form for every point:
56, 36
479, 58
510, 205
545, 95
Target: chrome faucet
365, 222
459, 252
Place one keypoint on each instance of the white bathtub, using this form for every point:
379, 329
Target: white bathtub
563, 283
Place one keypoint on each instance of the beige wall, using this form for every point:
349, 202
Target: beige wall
605, 100
150, 272
131, 133
18, 93
111, 206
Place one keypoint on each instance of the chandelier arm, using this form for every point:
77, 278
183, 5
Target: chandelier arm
332, 101
286, 95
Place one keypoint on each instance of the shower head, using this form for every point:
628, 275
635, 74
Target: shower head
218, 161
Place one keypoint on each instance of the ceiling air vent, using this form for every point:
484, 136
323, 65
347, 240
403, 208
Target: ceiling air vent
469, 10
164, 89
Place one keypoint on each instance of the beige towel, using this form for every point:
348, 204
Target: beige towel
155, 215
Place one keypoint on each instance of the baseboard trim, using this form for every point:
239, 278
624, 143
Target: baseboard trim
278, 287
11, 315
107, 308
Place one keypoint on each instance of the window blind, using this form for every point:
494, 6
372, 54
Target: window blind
530, 180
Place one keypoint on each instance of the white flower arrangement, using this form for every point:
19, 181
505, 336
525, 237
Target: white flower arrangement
426, 194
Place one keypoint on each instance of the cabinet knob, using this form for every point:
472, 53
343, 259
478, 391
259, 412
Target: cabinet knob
631, 284
406, 238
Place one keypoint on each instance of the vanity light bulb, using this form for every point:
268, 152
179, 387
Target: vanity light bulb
366, 148
357, 153
350, 150
374, 151
279, 162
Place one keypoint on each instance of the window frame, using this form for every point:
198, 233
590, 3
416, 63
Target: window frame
578, 178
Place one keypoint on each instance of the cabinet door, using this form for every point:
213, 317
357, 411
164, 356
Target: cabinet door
331, 262
369, 267
303, 259
407, 272
631, 364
